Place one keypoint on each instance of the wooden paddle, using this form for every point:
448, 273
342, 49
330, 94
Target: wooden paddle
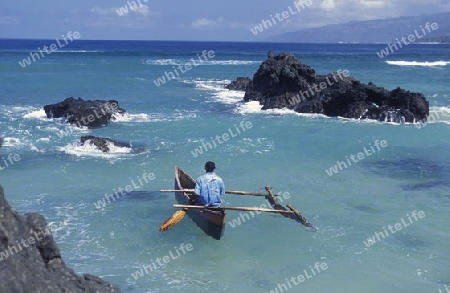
173, 220
233, 209
226, 191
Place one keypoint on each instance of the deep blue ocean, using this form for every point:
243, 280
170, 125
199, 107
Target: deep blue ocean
353, 208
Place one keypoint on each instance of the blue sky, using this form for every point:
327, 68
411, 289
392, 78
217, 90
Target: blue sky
211, 20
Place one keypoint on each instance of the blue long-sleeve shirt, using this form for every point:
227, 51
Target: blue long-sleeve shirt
209, 188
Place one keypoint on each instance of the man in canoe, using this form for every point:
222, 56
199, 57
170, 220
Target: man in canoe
209, 187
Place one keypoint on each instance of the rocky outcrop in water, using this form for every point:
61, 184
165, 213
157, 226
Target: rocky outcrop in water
240, 84
102, 143
30, 260
283, 81
81, 112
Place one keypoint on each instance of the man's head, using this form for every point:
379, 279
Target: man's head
210, 166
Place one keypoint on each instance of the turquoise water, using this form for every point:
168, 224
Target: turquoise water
289, 152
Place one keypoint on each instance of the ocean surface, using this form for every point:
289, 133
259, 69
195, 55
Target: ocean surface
404, 183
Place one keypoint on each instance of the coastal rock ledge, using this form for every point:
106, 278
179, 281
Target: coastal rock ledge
282, 81
89, 113
30, 260
102, 144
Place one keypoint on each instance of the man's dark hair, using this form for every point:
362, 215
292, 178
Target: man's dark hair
210, 166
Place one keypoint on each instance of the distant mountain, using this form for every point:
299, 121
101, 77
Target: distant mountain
371, 31
440, 40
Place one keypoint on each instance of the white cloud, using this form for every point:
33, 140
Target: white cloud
102, 11
323, 12
206, 23
373, 3
328, 5
141, 9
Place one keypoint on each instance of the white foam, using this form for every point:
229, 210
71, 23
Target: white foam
88, 150
127, 117
75, 51
253, 107
209, 84
44, 139
220, 93
22, 108
36, 114
63, 130
417, 63
231, 62
11, 141
176, 62
228, 97
439, 115
161, 62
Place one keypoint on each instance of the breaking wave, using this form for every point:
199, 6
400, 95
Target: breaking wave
418, 63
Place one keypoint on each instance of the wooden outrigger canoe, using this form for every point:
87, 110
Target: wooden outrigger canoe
212, 222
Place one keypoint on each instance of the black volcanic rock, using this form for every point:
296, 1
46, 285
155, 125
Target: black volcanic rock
102, 143
81, 112
283, 81
30, 260
240, 84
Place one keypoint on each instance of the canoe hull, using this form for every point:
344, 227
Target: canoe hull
211, 222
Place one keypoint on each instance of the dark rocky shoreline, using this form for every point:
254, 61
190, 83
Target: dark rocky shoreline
30, 260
